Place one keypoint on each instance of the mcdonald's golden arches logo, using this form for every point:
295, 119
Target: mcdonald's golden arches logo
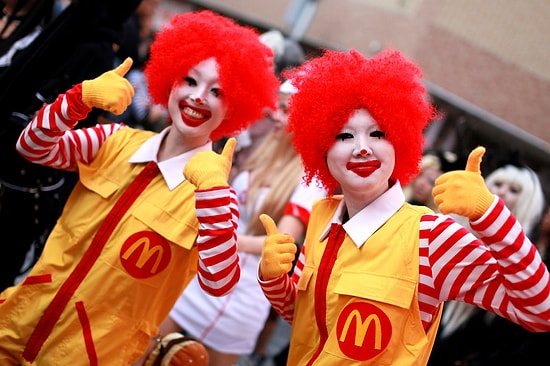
363, 331
145, 254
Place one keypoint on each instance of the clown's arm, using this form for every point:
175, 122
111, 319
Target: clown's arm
278, 255
49, 139
501, 272
217, 212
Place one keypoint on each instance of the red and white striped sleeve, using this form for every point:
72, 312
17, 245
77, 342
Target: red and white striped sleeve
502, 272
281, 291
49, 139
218, 214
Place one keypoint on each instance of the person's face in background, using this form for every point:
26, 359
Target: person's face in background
261, 127
508, 191
279, 118
281, 115
272, 121
423, 184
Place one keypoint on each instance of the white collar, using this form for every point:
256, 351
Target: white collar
361, 226
171, 169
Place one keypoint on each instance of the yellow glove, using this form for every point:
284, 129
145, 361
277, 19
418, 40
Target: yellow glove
110, 91
464, 192
207, 169
278, 252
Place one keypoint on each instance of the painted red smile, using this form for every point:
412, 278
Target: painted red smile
363, 168
192, 115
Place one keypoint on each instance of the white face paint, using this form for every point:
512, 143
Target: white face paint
196, 104
361, 159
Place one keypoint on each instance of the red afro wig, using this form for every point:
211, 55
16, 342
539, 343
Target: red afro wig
333, 86
245, 65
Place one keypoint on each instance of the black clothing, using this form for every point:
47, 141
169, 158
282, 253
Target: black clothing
77, 45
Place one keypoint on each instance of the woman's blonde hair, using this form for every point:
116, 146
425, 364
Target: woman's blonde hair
276, 165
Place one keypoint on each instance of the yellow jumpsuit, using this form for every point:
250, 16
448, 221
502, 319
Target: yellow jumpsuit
365, 308
113, 311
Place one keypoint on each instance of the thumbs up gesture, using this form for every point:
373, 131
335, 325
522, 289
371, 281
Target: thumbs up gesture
464, 192
278, 252
207, 169
110, 91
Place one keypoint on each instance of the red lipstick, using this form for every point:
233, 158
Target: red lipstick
363, 168
193, 116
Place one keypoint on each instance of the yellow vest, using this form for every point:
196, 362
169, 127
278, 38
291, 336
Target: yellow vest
147, 262
372, 315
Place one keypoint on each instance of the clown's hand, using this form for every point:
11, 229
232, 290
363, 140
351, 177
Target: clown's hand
207, 169
278, 251
110, 91
464, 192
